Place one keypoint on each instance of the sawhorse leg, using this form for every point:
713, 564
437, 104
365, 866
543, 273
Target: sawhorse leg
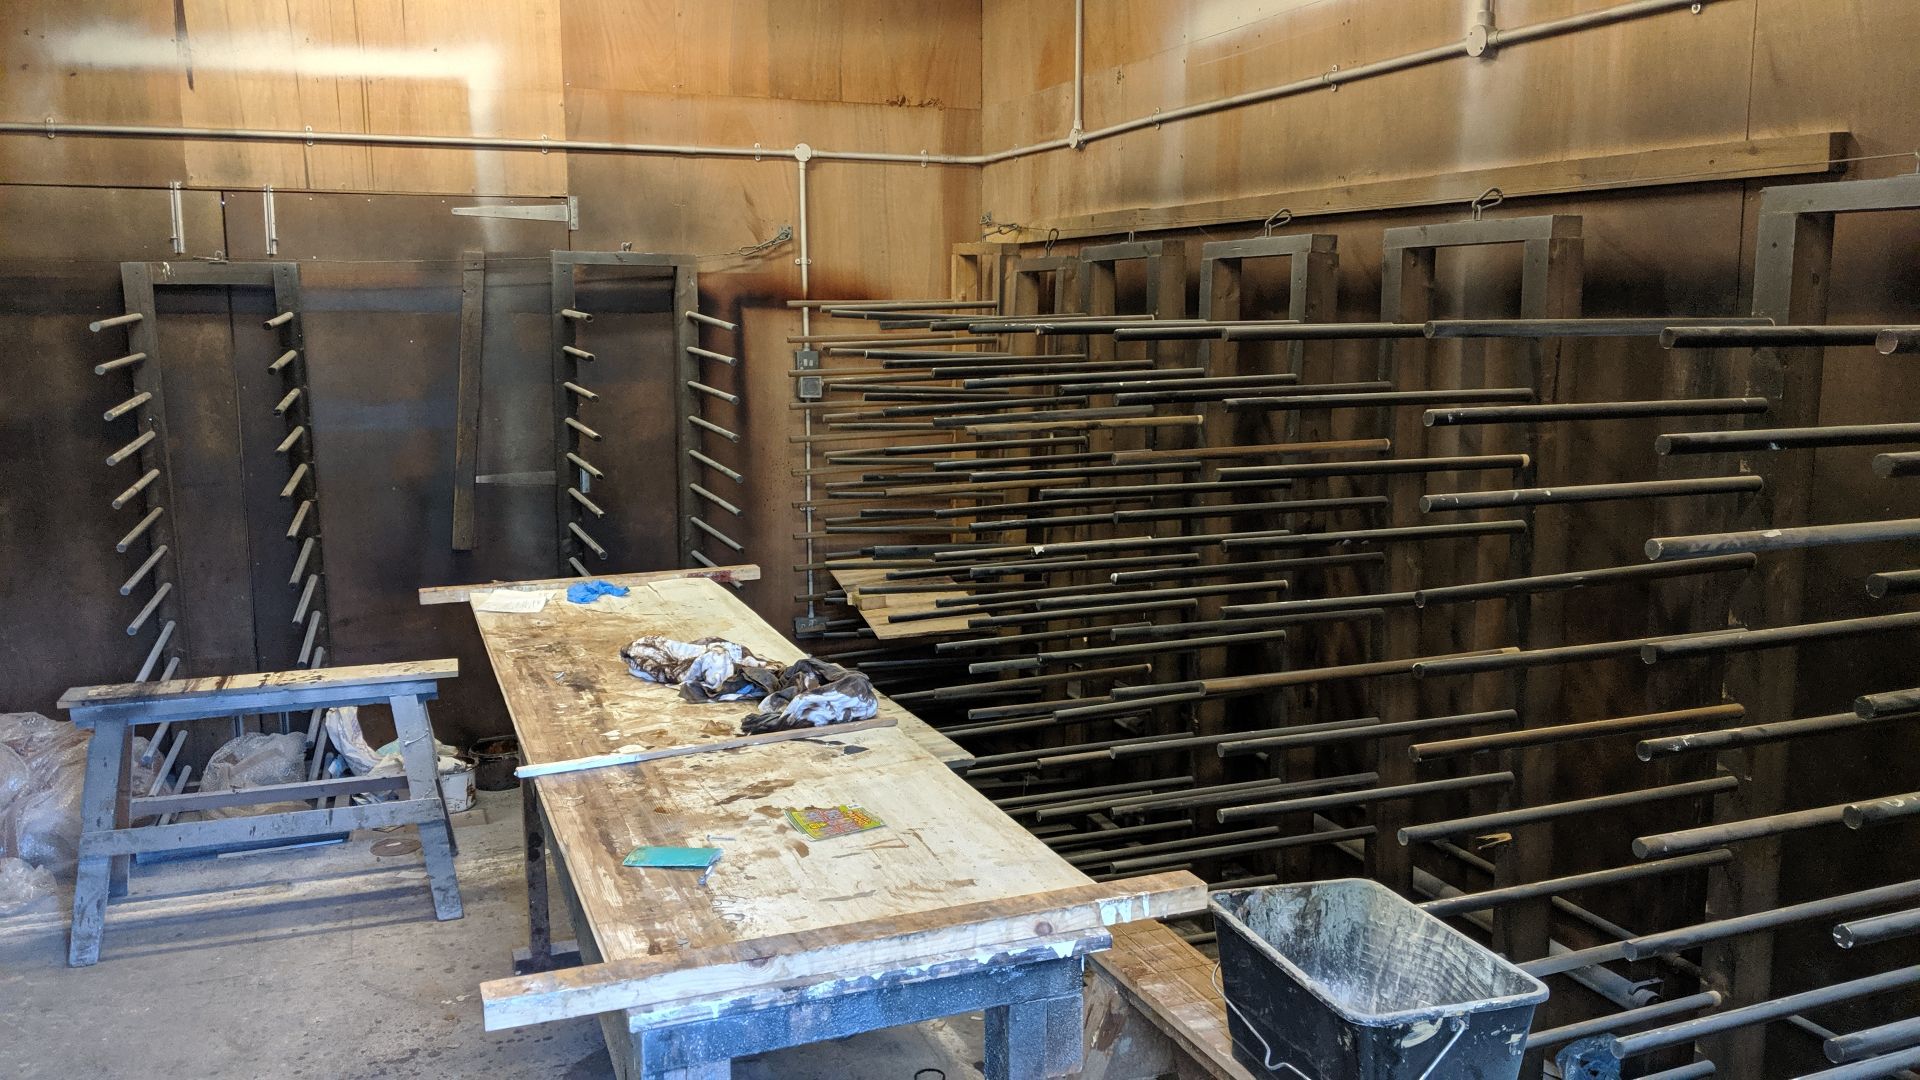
101, 810
415, 733
1034, 1040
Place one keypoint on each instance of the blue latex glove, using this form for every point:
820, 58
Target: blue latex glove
586, 592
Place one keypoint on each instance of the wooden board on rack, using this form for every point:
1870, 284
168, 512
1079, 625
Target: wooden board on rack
880, 610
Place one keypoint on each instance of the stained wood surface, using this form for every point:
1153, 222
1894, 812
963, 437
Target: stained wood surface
943, 846
933, 935
214, 688
460, 594
880, 609
571, 696
1172, 984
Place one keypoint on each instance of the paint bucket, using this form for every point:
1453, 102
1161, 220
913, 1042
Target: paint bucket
1346, 980
494, 760
456, 784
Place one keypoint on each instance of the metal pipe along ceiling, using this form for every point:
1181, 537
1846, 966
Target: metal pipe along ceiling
1479, 42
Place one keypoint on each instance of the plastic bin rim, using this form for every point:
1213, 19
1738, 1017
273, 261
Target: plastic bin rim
1435, 1012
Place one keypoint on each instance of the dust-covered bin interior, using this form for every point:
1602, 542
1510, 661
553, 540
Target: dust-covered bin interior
1369, 953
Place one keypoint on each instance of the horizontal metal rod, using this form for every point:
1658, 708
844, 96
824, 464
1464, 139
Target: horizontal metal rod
1559, 733
1267, 744
1244, 450
1236, 685
1712, 643
1381, 399
715, 499
1681, 841
127, 406
709, 354
131, 448
581, 428
280, 408
580, 497
577, 353
1212, 795
1101, 836
714, 392
1893, 583
1891, 466
1048, 567
147, 610
1197, 741
1191, 330
585, 466
1240, 625
1544, 328
1380, 467
575, 314
1898, 1063
1323, 331
1507, 819
1193, 420
1081, 381
1234, 395
128, 319
581, 535
1229, 814
579, 391
1119, 492
292, 485
135, 488
1874, 1041
281, 319
139, 527
1157, 647
1659, 1010
1403, 534
1134, 577
1197, 381
1748, 440
1874, 706
306, 599
1734, 336
716, 534
293, 438
119, 362
299, 518
708, 425
1085, 612
984, 689
280, 362
1487, 590
1879, 811
1858, 532
716, 466
1102, 856
1594, 410
1052, 797
1878, 928
1284, 506
1322, 603
1586, 493
153, 654
932, 358
1749, 735
1514, 894
1332, 836
708, 320
146, 566
1692, 1030
307, 548
1516, 659
1021, 641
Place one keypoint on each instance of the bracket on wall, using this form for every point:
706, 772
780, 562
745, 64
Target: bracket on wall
568, 212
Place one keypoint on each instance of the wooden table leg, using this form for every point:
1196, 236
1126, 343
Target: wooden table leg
539, 920
1034, 1040
415, 734
99, 804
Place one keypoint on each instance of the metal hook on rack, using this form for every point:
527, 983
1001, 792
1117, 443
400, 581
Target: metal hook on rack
1053, 236
1275, 220
1487, 200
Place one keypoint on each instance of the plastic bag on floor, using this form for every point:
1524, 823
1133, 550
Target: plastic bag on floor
22, 884
46, 820
256, 760
346, 738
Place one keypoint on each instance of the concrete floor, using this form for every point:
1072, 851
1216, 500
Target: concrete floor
327, 962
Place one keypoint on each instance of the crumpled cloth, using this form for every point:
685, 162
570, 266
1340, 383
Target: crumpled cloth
813, 693
806, 693
586, 592
710, 669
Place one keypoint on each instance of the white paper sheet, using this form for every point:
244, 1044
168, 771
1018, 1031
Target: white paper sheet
516, 600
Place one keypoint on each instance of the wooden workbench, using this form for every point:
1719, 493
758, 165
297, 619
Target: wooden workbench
950, 907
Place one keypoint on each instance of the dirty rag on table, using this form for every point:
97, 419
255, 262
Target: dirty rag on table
806, 693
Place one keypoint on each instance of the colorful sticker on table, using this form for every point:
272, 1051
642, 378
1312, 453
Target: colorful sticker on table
825, 822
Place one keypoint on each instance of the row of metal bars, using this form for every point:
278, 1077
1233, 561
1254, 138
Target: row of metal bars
697, 471
152, 539
1511, 673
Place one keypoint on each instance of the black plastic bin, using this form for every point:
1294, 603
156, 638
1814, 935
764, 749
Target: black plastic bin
1344, 980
